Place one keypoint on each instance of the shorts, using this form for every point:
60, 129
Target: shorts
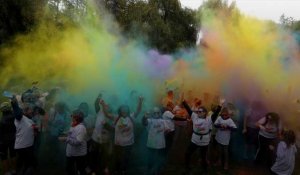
7, 148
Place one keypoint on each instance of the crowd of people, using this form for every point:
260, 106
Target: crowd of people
37, 130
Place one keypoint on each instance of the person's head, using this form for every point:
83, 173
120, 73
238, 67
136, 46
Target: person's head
28, 110
170, 106
84, 107
77, 117
289, 137
124, 111
272, 117
156, 113
170, 93
225, 113
39, 111
5, 107
201, 112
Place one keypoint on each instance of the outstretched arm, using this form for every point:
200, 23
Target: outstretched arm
217, 111
145, 119
18, 113
139, 107
187, 107
97, 104
106, 113
222, 127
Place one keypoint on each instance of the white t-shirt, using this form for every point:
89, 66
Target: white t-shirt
24, 133
202, 126
100, 134
76, 141
168, 119
223, 135
156, 134
285, 160
124, 132
273, 129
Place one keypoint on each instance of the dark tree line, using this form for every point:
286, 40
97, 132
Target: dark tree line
161, 24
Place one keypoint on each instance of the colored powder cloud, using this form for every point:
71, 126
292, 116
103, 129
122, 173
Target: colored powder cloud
245, 60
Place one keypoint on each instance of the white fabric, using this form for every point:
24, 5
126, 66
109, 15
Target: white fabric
100, 134
201, 126
76, 141
24, 133
168, 119
223, 135
156, 134
285, 160
124, 131
272, 129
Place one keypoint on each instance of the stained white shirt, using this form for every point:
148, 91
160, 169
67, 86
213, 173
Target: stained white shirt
285, 159
156, 134
201, 126
223, 135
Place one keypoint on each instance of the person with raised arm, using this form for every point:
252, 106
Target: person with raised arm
224, 125
101, 140
26, 162
202, 125
156, 142
124, 133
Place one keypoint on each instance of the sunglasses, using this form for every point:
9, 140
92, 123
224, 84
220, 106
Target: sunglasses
199, 111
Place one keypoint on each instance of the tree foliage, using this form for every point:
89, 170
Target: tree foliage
18, 16
290, 23
162, 24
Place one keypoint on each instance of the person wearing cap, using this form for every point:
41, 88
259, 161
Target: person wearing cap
76, 150
7, 139
202, 125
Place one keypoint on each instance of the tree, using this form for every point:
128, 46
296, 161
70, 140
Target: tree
18, 16
163, 24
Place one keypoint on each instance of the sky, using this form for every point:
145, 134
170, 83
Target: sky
263, 9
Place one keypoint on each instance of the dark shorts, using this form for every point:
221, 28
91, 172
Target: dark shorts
251, 136
7, 149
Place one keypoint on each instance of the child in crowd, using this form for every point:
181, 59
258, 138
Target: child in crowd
224, 125
76, 150
285, 154
156, 140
